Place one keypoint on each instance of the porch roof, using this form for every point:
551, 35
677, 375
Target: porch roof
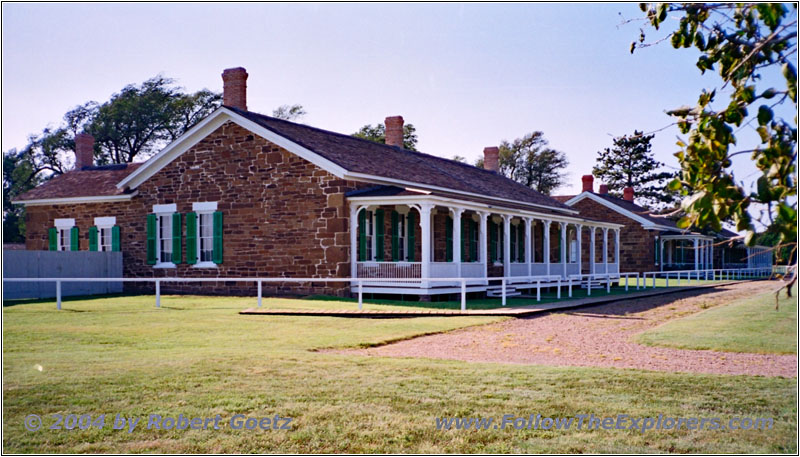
394, 195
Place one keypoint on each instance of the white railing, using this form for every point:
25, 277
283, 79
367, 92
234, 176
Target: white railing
473, 270
720, 274
384, 270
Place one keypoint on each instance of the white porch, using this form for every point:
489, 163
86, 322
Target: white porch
416, 240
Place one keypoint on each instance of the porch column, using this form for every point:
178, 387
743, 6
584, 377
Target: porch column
457, 238
528, 241
616, 250
593, 253
710, 256
425, 228
546, 247
661, 253
483, 244
506, 245
696, 257
563, 249
353, 240
578, 230
605, 249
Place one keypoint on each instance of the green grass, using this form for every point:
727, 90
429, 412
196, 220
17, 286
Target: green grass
748, 325
197, 357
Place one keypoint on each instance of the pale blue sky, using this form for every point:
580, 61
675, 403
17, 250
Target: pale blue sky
466, 75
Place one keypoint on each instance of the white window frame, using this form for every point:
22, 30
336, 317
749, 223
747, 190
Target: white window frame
208, 209
369, 232
161, 211
402, 237
63, 229
104, 223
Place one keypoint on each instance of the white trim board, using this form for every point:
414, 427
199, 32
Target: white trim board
73, 200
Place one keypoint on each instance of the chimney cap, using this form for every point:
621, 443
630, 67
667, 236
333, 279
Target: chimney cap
234, 88
588, 183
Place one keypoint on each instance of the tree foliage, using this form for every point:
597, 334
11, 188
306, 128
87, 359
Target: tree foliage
748, 44
377, 134
631, 163
18, 177
289, 112
529, 161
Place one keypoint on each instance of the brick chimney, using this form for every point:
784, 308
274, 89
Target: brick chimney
84, 150
603, 189
394, 131
588, 183
627, 194
234, 88
491, 158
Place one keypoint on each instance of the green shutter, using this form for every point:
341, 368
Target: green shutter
93, 238
521, 243
176, 238
151, 239
216, 254
463, 239
395, 235
191, 238
74, 239
473, 240
412, 231
502, 254
379, 231
492, 241
558, 245
115, 238
656, 249
362, 235
448, 250
52, 234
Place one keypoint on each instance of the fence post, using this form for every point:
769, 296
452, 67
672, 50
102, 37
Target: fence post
637, 281
503, 286
58, 295
608, 283
463, 295
589, 286
259, 293
538, 290
158, 293
627, 280
360, 295
667, 279
569, 281
558, 291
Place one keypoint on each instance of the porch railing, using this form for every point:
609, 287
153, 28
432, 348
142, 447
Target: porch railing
383, 270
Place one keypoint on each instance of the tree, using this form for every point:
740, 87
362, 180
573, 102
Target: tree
631, 163
289, 112
18, 177
378, 135
530, 162
749, 44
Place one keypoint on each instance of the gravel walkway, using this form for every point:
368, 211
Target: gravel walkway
599, 336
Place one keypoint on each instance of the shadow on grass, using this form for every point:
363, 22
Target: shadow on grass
65, 299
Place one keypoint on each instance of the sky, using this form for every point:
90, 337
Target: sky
466, 75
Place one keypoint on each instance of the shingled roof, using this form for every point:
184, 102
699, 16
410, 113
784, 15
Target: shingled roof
87, 182
368, 157
630, 207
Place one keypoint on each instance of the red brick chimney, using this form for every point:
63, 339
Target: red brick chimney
491, 158
394, 131
234, 88
627, 194
84, 150
603, 189
588, 183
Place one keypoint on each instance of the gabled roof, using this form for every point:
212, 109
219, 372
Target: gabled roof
96, 183
366, 157
626, 208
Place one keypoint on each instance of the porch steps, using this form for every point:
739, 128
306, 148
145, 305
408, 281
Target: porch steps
497, 291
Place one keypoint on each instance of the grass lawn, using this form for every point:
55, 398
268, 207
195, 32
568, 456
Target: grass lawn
748, 325
197, 357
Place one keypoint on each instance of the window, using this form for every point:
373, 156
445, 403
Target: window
64, 237
204, 233
573, 251
103, 230
401, 237
165, 238
370, 229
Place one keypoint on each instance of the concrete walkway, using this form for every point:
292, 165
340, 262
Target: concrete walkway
512, 311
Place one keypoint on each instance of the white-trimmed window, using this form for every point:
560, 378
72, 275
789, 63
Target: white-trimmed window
370, 232
64, 231
205, 233
402, 236
164, 245
104, 232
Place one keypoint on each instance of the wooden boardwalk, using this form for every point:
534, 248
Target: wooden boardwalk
512, 311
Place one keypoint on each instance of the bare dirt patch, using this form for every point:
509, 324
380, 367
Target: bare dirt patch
599, 336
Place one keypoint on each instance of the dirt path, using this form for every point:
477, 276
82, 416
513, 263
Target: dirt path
599, 336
